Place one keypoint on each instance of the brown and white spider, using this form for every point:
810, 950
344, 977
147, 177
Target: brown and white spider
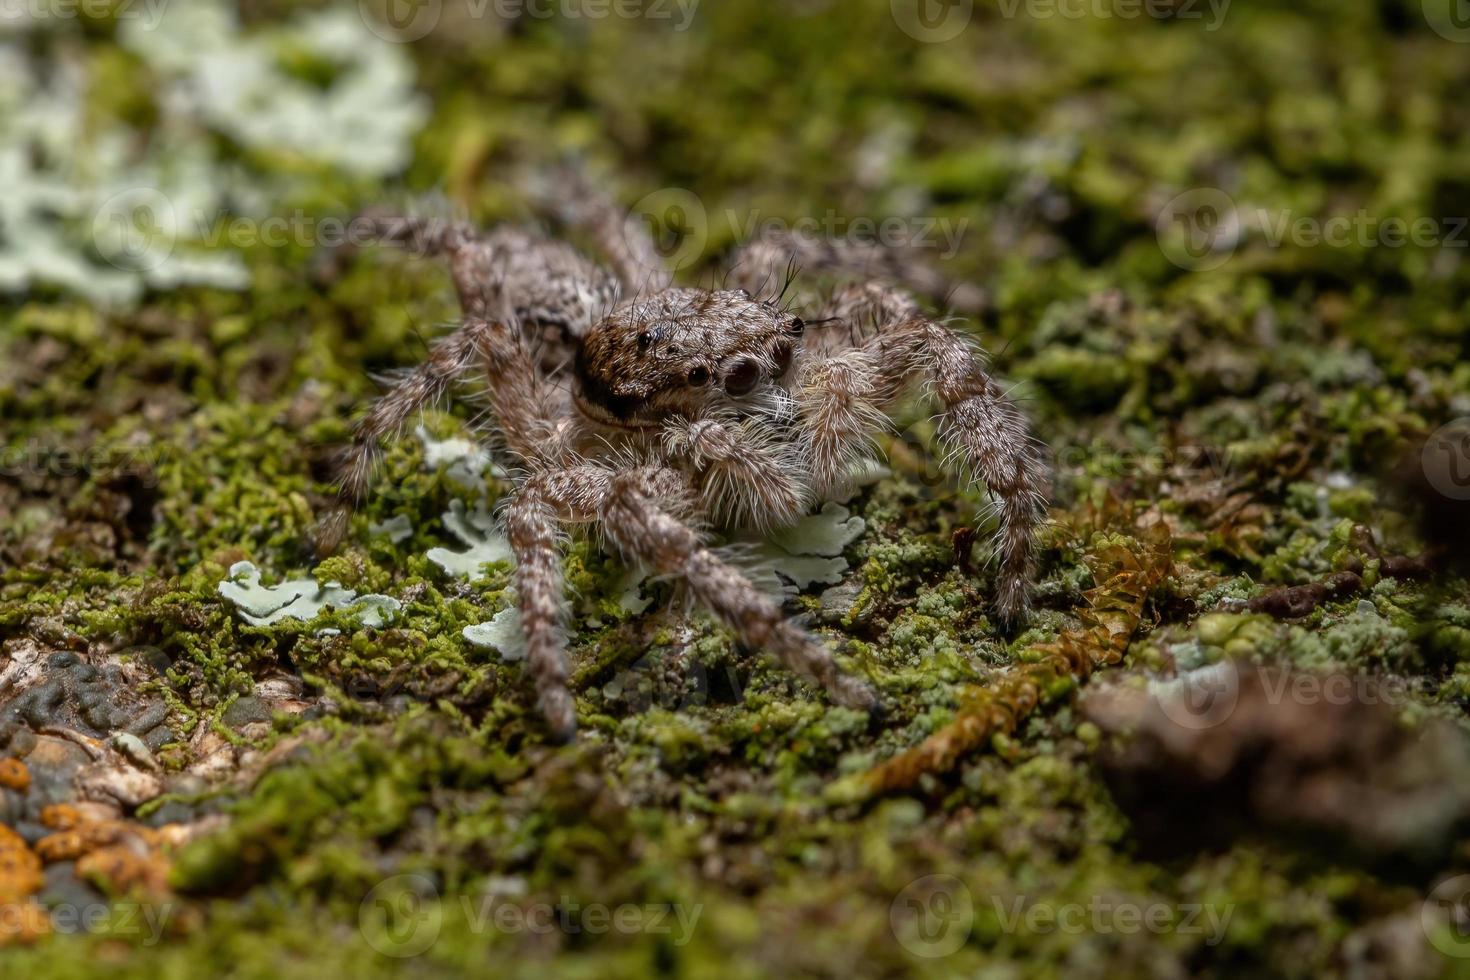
649, 411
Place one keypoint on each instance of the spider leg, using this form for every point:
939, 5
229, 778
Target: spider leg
841, 398
619, 236
531, 526
765, 265
518, 397
842, 395
748, 478
636, 522
635, 510
545, 282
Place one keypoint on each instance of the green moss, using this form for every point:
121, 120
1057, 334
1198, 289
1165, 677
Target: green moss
1252, 409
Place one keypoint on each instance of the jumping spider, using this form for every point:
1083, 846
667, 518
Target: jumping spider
649, 411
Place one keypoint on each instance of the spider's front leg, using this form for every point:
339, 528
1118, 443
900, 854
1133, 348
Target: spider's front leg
424, 387
979, 424
636, 511
519, 400
747, 477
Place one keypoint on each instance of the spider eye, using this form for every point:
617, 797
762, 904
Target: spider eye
742, 376
698, 376
644, 340
796, 326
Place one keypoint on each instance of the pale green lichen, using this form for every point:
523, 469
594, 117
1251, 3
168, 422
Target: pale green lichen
302, 599
361, 122
484, 545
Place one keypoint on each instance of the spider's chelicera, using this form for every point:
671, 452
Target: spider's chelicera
649, 411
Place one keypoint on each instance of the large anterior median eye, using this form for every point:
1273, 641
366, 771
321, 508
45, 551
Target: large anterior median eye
742, 376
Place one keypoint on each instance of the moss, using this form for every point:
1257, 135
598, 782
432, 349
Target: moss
1250, 409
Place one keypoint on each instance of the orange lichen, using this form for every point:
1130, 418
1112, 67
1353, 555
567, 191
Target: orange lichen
60, 816
20, 878
116, 855
14, 775
121, 869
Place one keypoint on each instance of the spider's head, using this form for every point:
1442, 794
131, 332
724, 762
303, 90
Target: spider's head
682, 351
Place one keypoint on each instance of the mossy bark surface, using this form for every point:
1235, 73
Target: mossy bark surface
360, 790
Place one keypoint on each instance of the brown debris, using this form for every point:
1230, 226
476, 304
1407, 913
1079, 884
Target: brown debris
1235, 749
1296, 601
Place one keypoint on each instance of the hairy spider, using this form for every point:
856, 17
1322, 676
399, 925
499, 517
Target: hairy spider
648, 411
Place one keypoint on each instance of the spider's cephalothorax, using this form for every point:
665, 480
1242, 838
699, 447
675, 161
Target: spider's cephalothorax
648, 410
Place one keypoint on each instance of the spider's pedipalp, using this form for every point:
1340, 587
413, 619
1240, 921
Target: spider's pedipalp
841, 397
748, 476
